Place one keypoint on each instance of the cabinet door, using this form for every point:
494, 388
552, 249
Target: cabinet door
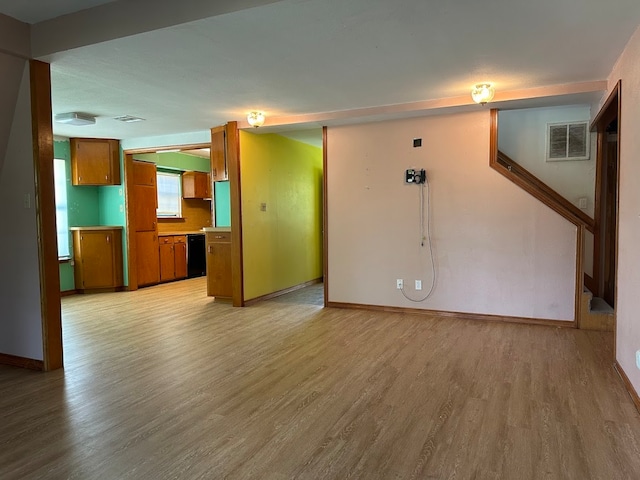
144, 207
95, 161
167, 262
180, 253
219, 270
194, 185
218, 154
147, 258
144, 173
97, 252
201, 185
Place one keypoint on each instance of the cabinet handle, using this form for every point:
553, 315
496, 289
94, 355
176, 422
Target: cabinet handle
218, 236
108, 238
106, 177
209, 249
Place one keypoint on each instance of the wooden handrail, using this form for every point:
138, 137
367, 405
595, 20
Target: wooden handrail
529, 182
532, 184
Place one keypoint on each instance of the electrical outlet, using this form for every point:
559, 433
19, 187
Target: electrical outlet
399, 284
418, 284
638, 359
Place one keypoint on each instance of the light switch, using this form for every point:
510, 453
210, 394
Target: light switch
263, 207
582, 203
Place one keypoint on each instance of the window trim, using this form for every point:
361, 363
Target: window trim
171, 174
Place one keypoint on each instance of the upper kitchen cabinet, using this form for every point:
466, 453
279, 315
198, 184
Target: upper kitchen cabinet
218, 154
196, 185
95, 161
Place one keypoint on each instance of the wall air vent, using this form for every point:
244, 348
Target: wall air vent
567, 141
128, 119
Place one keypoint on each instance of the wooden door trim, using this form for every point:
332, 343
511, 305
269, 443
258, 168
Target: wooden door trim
128, 192
579, 282
132, 256
42, 134
190, 146
235, 187
325, 230
603, 116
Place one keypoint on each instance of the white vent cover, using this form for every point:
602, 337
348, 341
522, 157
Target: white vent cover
567, 141
128, 119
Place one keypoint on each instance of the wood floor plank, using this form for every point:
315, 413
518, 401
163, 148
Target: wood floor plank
165, 383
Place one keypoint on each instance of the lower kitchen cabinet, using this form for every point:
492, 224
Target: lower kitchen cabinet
173, 257
180, 250
97, 254
147, 264
219, 264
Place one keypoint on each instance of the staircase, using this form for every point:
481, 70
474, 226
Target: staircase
595, 313
591, 313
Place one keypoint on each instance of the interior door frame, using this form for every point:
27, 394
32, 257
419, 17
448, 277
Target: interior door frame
130, 243
612, 108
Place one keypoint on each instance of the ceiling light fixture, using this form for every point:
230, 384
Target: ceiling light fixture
75, 118
482, 93
255, 119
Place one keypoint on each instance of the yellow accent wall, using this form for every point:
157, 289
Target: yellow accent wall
282, 245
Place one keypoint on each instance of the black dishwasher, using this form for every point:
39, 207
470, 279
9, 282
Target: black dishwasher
196, 255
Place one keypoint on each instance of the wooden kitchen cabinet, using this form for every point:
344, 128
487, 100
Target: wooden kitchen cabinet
147, 264
145, 223
97, 254
173, 257
219, 264
219, 154
180, 251
95, 161
196, 185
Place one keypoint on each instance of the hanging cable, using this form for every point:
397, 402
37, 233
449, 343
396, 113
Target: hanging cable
422, 188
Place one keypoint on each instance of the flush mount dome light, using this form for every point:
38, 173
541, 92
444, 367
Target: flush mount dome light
482, 93
75, 118
255, 119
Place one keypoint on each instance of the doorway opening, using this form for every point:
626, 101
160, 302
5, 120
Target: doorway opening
607, 126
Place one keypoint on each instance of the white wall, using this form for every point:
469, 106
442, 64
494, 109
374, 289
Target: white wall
628, 283
20, 314
497, 250
522, 135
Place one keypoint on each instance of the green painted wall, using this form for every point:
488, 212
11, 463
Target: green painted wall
282, 245
177, 161
222, 203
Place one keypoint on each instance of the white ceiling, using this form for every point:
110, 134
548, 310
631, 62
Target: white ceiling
34, 11
305, 58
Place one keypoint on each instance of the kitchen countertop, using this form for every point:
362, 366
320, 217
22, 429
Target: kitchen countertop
216, 229
190, 232
97, 227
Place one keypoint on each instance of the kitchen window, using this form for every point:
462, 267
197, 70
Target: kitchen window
169, 195
62, 216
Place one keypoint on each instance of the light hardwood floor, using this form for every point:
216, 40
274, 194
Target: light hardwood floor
163, 383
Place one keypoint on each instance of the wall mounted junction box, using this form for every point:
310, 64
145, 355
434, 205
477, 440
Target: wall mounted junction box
415, 176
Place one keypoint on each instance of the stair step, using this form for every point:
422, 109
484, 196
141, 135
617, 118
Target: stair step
598, 305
